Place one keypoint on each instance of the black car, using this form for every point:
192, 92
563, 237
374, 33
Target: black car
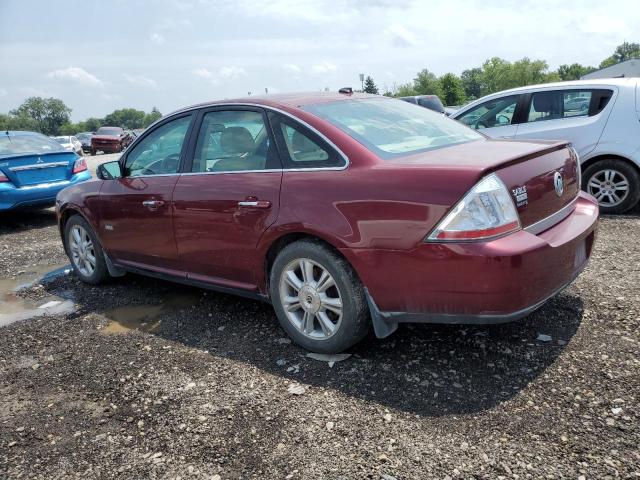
85, 140
432, 102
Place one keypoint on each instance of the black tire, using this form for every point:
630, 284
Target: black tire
93, 152
355, 321
100, 273
623, 168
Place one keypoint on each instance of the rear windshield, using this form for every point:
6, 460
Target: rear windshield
392, 128
23, 144
61, 139
109, 131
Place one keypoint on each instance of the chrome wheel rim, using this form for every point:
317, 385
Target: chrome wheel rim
610, 187
311, 299
82, 251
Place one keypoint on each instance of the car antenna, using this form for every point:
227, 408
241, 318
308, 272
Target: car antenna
7, 133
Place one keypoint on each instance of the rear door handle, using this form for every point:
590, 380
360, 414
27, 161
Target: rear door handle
255, 203
153, 204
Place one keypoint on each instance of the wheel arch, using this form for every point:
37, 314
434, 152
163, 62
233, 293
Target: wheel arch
275, 244
608, 156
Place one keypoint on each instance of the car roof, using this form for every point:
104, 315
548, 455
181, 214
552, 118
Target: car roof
291, 100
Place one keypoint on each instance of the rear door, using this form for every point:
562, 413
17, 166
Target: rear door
575, 115
136, 216
497, 118
227, 197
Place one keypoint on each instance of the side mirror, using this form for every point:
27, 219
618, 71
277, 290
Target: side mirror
109, 171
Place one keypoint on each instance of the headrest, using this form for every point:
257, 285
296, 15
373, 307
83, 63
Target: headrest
237, 140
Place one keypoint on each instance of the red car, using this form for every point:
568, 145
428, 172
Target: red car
342, 210
109, 140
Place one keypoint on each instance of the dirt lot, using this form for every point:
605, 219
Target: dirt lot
150, 379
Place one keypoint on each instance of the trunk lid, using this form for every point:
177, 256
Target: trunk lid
529, 169
35, 169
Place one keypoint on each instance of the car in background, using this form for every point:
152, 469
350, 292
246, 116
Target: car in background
600, 117
70, 143
34, 168
110, 140
341, 210
432, 102
85, 140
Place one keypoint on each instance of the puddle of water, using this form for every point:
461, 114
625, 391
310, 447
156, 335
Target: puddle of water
14, 308
145, 318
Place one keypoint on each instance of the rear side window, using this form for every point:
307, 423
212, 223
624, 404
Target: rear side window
300, 147
553, 105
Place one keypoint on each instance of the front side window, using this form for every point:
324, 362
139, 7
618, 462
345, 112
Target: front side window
233, 141
159, 152
497, 112
392, 128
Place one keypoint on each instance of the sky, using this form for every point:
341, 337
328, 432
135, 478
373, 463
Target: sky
98, 56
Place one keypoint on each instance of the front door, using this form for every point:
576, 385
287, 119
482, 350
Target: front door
227, 197
136, 215
495, 118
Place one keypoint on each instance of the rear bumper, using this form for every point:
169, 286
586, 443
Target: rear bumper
476, 283
40, 195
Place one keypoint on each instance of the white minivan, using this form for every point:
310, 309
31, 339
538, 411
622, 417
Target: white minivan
600, 117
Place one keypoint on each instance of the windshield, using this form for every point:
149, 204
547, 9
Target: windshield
21, 144
393, 128
109, 131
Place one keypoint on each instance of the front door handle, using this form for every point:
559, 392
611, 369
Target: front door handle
255, 203
153, 204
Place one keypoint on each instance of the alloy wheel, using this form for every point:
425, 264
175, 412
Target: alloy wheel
610, 187
311, 299
82, 251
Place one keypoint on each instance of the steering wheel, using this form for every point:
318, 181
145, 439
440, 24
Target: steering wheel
170, 163
480, 124
500, 122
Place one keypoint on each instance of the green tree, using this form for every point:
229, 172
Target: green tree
426, 83
573, 72
529, 72
12, 122
151, 117
452, 89
623, 52
405, 90
125, 118
47, 114
496, 74
370, 86
92, 124
472, 83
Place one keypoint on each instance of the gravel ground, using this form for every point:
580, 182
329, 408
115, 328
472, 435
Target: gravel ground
151, 379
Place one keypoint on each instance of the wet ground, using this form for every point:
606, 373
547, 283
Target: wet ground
144, 378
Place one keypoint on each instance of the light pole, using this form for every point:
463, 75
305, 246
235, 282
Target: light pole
362, 82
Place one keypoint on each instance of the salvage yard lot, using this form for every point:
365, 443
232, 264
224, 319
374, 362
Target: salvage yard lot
152, 379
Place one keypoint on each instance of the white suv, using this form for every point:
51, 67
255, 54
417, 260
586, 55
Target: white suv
601, 118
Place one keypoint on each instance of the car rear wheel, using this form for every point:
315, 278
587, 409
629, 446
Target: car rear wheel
614, 183
93, 152
318, 298
85, 251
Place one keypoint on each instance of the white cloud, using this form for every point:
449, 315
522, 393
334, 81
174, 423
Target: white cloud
400, 35
140, 81
203, 73
232, 72
324, 67
76, 74
293, 68
157, 38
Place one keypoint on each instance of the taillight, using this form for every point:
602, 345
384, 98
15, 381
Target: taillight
79, 166
3, 178
486, 211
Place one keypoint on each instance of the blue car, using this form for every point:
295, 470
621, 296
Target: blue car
34, 168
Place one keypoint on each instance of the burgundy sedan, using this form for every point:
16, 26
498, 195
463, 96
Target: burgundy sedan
345, 211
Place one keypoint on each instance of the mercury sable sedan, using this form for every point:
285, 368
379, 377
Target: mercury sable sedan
343, 210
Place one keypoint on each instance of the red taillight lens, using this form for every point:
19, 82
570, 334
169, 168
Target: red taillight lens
79, 166
3, 178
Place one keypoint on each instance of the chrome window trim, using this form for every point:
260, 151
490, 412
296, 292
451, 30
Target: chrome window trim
38, 166
551, 220
291, 116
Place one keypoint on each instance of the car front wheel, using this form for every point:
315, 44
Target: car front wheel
614, 183
85, 251
318, 298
